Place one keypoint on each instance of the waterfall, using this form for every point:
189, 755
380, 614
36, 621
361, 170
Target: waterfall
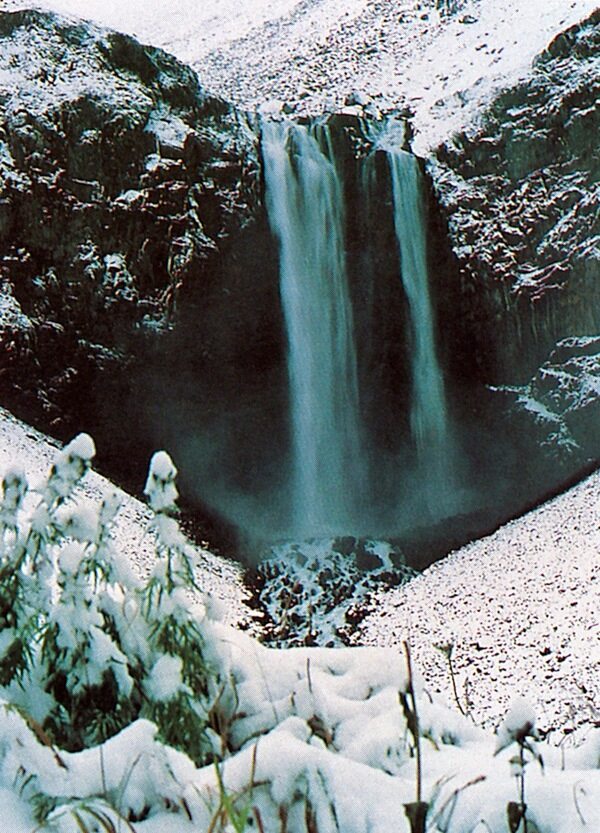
428, 415
305, 206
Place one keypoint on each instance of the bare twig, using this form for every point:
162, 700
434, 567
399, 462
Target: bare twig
308, 676
258, 818
415, 728
102, 770
451, 801
447, 650
576, 802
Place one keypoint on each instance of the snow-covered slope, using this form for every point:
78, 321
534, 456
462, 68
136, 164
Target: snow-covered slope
520, 609
294, 732
188, 28
23, 446
313, 54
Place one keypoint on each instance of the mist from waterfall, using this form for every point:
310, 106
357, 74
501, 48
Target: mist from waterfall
305, 205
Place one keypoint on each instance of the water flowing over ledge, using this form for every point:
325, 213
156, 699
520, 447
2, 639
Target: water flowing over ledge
334, 463
429, 419
306, 211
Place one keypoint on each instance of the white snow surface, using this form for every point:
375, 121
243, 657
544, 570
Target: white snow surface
308, 725
312, 53
521, 609
320, 734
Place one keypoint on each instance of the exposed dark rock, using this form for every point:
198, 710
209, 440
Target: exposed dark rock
563, 400
123, 185
521, 197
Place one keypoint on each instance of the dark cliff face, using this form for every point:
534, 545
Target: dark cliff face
139, 278
140, 291
521, 198
131, 244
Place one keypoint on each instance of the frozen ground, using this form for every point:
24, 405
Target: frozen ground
297, 729
520, 608
312, 53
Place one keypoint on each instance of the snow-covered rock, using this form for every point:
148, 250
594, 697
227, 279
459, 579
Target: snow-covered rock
519, 190
446, 59
119, 175
561, 404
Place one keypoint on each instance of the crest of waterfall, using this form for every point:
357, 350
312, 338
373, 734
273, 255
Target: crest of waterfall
305, 205
428, 415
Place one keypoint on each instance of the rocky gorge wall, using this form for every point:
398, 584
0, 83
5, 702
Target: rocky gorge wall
140, 297
122, 187
520, 194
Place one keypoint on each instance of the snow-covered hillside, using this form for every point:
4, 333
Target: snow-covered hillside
295, 731
313, 54
520, 611
23, 446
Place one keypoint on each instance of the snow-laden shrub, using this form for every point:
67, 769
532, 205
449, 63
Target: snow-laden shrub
85, 647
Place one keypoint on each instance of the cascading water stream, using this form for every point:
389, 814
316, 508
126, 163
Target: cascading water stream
306, 211
428, 415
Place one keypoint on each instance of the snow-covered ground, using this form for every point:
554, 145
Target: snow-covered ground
521, 609
312, 53
297, 730
323, 746
34, 453
305, 726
